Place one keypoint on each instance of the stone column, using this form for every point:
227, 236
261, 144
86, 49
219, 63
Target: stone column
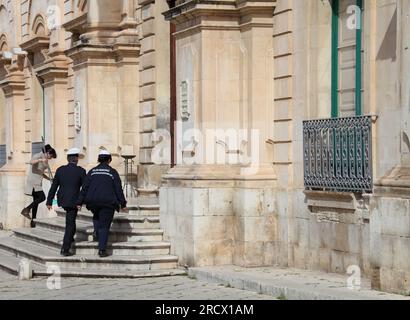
12, 175
105, 66
390, 203
154, 94
54, 75
216, 208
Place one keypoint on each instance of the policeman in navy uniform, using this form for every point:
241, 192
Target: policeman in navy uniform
68, 180
103, 195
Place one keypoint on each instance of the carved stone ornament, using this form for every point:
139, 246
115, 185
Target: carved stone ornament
185, 112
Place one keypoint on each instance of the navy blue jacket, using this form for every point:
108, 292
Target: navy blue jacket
102, 188
68, 180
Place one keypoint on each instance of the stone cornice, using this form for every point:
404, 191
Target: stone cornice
221, 7
54, 68
13, 84
81, 25
144, 2
5, 65
91, 54
36, 44
76, 25
52, 74
221, 15
12, 81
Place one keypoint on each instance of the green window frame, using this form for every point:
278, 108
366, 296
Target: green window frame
335, 61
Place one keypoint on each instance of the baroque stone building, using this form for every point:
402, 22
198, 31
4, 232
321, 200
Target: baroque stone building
255, 180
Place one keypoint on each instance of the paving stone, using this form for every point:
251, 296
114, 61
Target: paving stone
291, 283
169, 288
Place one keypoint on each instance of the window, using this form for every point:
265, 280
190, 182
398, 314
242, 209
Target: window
3, 157
347, 58
36, 147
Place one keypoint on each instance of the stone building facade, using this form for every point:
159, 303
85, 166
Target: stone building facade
254, 180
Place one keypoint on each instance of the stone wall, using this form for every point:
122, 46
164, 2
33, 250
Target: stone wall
89, 58
217, 222
327, 231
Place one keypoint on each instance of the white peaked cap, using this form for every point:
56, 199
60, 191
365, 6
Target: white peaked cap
73, 152
104, 153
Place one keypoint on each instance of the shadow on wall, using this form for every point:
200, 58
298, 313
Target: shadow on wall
388, 48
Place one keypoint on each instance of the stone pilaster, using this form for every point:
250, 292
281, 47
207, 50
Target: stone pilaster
222, 212
54, 76
154, 91
105, 83
390, 203
12, 175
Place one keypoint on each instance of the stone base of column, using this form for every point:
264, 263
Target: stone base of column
213, 215
390, 232
12, 198
149, 178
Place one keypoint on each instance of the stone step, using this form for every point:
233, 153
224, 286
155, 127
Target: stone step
121, 221
144, 199
97, 273
144, 210
55, 241
147, 193
85, 231
42, 254
10, 263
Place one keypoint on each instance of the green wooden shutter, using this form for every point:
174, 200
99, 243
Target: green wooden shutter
346, 61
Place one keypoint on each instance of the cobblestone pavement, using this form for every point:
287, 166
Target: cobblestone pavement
169, 288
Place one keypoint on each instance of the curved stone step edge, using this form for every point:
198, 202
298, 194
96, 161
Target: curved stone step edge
80, 259
147, 207
10, 263
86, 216
88, 230
90, 273
25, 234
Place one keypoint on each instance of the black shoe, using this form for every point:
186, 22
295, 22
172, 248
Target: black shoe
66, 253
26, 213
32, 224
103, 253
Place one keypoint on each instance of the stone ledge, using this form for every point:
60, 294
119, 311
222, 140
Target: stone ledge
395, 184
327, 199
290, 284
338, 206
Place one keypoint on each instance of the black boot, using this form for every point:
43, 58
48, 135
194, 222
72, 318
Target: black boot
66, 253
102, 253
26, 213
32, 224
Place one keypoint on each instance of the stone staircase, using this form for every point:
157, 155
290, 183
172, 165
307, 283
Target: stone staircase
136, 247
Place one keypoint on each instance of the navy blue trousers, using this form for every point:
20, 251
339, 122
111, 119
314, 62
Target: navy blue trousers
102, 219
70, 227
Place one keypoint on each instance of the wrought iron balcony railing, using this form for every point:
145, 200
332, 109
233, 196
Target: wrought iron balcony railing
338, 154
